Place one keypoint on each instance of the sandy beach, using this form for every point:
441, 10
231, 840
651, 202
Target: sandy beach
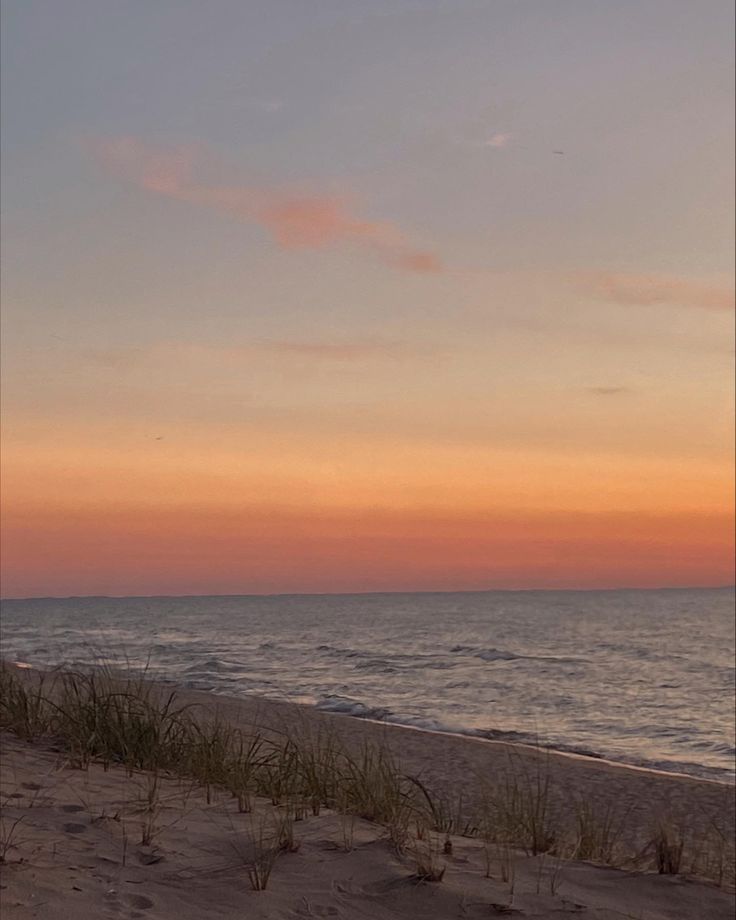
72, 838
367, 483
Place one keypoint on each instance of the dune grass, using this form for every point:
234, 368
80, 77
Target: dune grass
9, 829
599, 830
24, 708
126, 720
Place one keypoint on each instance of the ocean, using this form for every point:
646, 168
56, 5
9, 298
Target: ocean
640, 677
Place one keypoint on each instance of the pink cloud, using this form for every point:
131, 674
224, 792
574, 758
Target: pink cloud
165, 172
647, 290
498, 140
419, 261
294, 221
350, 350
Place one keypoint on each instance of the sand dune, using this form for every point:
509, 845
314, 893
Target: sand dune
77, 853
458, 764
76, 848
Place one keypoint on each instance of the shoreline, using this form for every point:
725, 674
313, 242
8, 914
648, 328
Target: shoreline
587, 677
578, 755
470, 734
247, 707
462, 766
175, 806
249, 699
310, 711
728, 780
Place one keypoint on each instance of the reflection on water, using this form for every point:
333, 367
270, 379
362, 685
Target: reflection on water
639, 676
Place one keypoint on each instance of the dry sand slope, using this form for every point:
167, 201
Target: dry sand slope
453, 765
76, 851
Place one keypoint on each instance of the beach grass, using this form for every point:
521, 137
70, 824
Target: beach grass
105, 717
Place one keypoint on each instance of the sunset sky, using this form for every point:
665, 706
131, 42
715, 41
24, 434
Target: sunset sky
359, 295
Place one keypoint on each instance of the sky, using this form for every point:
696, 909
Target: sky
366, 296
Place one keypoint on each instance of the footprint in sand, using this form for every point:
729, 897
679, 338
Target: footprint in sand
34, 787
71, 809
138, 901
73, 828
316, 910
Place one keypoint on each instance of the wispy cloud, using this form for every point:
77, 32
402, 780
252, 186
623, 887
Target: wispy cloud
648, 290
350, 350
306, 221
498, 140
607, 391
298, 350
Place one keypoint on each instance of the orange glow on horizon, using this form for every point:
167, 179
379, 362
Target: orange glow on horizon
257, 514
267, 550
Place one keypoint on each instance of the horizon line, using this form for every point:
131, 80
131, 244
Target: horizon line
73, 597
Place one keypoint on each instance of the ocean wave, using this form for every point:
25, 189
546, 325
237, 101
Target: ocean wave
339, 652
486, 654
198, 684
392, 663
345, 705
349, 706
352, 707
336, 651
419, 660
499, 654
376, 666
212, 666
715, 747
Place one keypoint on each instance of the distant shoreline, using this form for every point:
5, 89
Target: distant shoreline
608, 590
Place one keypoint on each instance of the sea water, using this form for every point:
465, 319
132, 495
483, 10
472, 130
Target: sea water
641, 677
